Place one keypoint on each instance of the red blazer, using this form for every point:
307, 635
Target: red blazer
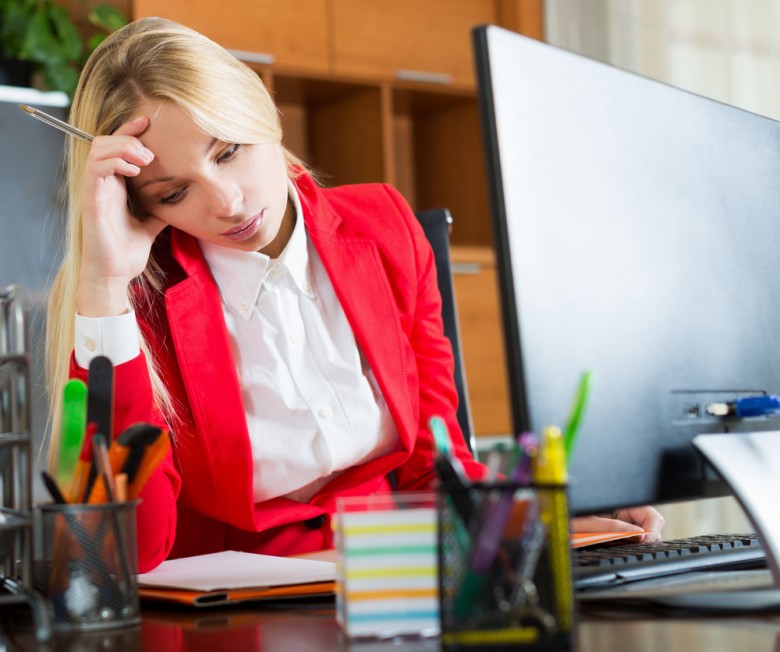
382, 270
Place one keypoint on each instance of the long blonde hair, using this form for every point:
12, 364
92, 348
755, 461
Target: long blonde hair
156, 59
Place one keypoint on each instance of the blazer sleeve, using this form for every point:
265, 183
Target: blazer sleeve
438, 395
156, 512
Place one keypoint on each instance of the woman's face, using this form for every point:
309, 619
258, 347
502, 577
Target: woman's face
230, 194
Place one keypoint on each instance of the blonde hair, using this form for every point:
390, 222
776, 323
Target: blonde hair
149, 59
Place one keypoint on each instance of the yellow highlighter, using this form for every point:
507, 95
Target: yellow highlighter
550, 470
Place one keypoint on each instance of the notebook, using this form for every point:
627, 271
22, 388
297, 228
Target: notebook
231, 577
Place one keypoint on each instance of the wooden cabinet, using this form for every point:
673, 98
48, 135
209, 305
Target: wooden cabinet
348, 113
426, 40
291, 33
479, 312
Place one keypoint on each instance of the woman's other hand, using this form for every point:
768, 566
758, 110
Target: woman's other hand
645, 520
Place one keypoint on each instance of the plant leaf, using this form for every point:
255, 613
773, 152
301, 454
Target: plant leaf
107, 18
40, 43
13, 26
61, 77
93, 42
66, 33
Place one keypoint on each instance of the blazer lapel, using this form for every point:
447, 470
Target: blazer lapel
360, 282
222, 456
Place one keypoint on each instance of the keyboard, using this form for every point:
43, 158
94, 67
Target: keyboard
606, 566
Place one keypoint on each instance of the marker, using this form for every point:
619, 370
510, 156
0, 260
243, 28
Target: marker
73, 430
100, 405
550, 470
550, 462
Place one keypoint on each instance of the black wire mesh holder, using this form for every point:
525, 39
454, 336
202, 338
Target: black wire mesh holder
16, 508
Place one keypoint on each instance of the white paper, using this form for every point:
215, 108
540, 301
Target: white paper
236, 570
750, 464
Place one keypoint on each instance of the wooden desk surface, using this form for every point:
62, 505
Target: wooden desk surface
314, 629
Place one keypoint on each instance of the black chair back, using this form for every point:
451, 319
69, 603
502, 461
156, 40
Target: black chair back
436, 223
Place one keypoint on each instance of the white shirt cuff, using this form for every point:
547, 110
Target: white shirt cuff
114, 337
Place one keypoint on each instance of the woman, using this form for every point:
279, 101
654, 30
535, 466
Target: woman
290, 336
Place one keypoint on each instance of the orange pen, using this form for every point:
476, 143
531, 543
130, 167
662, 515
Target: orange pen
153, 455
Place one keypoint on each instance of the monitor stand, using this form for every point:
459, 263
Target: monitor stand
750, 464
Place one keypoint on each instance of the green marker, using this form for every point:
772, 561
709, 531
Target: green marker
575, 416
74, 425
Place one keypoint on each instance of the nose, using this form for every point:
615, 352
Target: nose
224, 198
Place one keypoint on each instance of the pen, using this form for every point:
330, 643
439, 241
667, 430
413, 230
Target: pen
572, 427
450, 471
441, 436
137, 439
103, 489
493, 528
78, 486
153, 455
57, 123
51, 484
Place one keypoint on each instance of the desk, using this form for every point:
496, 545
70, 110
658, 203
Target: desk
314, 629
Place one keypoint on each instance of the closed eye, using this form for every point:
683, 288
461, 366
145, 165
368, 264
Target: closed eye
174, 197
229, 153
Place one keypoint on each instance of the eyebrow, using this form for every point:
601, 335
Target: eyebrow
149, 182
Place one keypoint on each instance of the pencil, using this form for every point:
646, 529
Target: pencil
57, 123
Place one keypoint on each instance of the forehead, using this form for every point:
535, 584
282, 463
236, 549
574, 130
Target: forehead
170, 126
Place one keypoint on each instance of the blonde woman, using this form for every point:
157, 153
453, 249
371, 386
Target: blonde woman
289, 335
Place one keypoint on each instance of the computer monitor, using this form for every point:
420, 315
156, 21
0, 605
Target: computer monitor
637, 231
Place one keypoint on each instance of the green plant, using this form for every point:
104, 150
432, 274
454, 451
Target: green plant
42, 33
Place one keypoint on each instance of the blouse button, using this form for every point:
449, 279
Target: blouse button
89, 345
325, 413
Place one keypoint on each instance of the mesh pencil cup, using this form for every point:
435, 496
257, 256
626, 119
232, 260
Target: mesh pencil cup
505, 576
91, 565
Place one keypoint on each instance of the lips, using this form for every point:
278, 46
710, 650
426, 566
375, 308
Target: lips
245, 230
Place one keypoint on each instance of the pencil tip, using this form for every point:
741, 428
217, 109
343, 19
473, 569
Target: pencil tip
24, 107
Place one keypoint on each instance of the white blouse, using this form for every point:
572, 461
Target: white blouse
312, 403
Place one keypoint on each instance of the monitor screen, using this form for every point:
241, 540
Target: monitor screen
637, 232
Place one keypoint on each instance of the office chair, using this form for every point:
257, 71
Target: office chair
436, 224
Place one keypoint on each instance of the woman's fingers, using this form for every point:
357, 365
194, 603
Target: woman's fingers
134, 127
648, 518
602, 524
645, 520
